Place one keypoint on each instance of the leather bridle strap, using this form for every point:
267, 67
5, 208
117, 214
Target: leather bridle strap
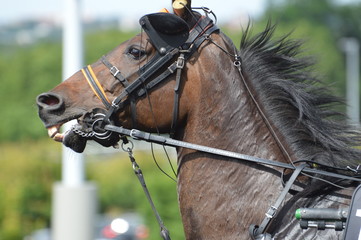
95, 85
120, 101
118, 75
139, 87
259, 232
115, 72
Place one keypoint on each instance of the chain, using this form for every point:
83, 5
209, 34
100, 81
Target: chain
82, 133
138, 172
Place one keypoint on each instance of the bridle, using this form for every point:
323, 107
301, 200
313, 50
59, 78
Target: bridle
190, 41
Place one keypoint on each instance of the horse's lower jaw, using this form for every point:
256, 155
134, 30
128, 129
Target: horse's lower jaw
69, 138
84, 130
74, 141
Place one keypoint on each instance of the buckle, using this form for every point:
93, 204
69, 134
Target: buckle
114, 105
114, 71
180, 61
271, 212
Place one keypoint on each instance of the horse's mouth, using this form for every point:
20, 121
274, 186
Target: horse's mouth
77, 137
69, 138
54, 133
54, 130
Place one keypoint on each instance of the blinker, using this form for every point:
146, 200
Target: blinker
165, 30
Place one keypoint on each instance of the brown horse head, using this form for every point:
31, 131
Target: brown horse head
181, 74
138, 77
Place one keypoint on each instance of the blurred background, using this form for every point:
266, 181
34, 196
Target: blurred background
31, 63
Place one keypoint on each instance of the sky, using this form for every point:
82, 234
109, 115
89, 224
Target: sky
17, 10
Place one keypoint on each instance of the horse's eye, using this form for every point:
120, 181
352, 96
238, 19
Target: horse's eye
136, 53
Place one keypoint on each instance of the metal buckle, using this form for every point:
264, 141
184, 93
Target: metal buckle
114, 70
114, 105
271, 212
180, 61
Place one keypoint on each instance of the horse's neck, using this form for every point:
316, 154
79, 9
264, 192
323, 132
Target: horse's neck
219, 197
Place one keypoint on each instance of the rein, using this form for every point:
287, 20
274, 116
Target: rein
148, 137
256, 231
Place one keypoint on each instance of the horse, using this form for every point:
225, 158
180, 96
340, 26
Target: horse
181, 75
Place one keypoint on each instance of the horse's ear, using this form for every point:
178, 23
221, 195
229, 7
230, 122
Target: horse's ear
165, 30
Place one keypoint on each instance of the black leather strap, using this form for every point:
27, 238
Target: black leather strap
258, 232
138, 87
115, 72
180, 64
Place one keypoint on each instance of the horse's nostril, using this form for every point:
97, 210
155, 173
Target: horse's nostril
49, 101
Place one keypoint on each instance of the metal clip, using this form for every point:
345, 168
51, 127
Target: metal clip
237, 61
356, 170
128, 148
170, 69
114, 105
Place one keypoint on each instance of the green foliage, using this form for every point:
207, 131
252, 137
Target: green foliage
120, 190
100, 43
322, 24
26, 72
28, 170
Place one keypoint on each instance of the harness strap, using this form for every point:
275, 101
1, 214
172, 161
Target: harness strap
180, 65
257, 232
140, 135
138, 172
170, 70
133, 110
115, 72
119, 102
95, 85
132, 91
118, 75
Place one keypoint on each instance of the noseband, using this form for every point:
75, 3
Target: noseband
166, 51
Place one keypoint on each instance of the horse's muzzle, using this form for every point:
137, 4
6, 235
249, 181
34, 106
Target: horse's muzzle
50, 104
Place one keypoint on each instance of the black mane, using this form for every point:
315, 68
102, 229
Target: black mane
296, 102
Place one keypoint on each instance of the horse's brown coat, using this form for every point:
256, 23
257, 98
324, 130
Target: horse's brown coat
219, 198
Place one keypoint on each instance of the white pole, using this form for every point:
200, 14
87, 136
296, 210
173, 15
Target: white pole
73, 163
351, 48
74, 200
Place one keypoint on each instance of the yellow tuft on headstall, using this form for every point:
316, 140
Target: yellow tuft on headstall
164, 10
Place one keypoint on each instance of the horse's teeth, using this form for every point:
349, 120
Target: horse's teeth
52, 131
58, 137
